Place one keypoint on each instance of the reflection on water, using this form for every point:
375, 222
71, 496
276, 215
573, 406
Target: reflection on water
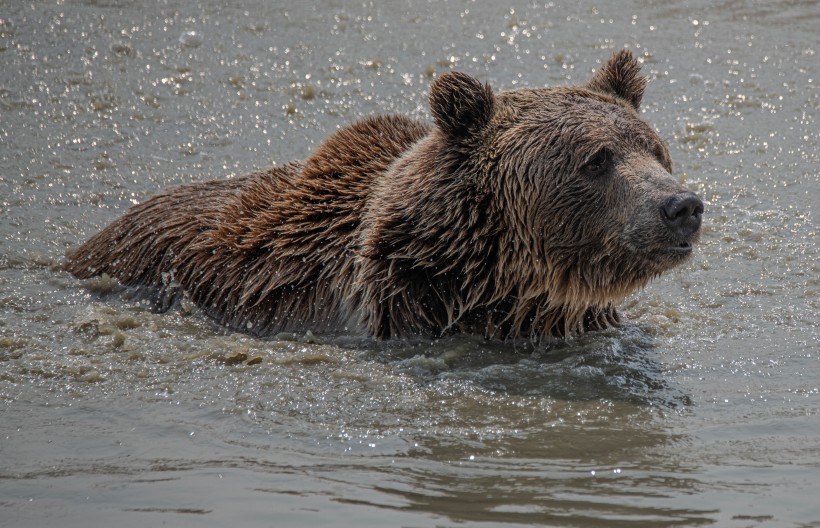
701, 409
305, 428
618, 365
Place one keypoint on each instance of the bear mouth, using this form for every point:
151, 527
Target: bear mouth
681, 249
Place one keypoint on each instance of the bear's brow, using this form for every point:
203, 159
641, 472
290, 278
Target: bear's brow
638, 133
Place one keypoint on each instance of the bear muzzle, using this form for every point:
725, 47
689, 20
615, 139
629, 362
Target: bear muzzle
681, 214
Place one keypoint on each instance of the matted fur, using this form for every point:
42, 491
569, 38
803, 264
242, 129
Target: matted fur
520, 213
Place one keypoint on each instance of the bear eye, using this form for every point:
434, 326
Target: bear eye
598, 163
660, 154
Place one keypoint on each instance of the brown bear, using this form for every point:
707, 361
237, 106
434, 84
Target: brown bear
521, 213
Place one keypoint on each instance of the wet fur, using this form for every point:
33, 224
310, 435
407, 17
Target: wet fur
479, 223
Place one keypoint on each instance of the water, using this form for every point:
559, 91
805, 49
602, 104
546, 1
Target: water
702, 409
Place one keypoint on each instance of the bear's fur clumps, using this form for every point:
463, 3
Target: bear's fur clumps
521, 213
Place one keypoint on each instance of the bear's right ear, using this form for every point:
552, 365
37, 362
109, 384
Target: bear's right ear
460, 104
620, 76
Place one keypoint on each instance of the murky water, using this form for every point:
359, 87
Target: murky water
703, 409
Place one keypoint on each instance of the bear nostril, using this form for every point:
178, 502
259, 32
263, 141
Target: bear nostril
682, 212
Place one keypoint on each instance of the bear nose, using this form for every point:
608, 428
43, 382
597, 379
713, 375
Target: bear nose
682, 213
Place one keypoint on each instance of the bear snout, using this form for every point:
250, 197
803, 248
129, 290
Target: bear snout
681, 213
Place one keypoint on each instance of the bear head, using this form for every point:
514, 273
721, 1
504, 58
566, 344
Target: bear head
545, 204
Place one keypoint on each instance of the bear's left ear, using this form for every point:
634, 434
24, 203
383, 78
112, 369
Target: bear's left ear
620, 76
460, 104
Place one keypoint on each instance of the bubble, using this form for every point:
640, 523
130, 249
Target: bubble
190, 39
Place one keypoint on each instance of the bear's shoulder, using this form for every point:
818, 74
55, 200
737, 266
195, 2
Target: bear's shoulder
370, 144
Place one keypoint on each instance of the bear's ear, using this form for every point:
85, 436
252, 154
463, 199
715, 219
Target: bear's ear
460, 104
620, 76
